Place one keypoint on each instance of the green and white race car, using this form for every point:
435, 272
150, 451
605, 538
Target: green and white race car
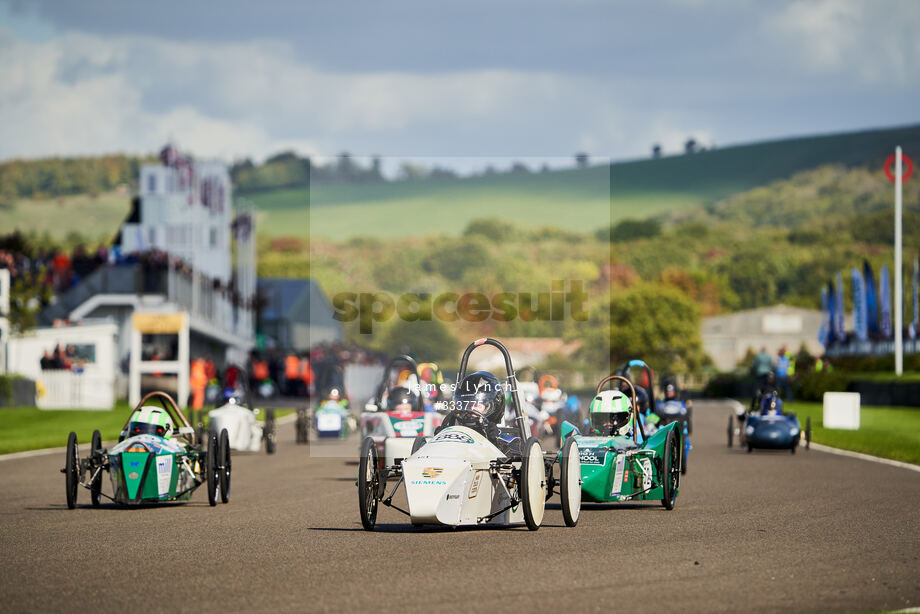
153, 462
617, 462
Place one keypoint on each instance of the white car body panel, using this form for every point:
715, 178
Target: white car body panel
448, 481
243, 430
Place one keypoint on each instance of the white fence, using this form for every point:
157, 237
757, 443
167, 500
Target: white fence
60, 389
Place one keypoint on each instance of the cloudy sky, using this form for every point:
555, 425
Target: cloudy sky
420, 78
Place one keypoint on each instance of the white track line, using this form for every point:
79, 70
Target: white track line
867, 457
62, 449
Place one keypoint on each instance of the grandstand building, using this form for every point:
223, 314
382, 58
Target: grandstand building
180, 282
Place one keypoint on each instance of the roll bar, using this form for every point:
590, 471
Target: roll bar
403, 359
511, 379
169, 405
624, 370
635, 406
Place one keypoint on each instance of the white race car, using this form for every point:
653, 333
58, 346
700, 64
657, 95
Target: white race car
394, 428
237, 415
461, 477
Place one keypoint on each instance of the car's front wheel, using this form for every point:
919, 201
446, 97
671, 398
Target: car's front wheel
368, 484
72, 470
570, 482
223, 453
670, 473
533, 484
210, 466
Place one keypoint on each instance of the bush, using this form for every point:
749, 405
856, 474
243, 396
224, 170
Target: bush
813, 385
729, 385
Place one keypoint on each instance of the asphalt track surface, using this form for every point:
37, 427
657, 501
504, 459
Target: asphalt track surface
766, 531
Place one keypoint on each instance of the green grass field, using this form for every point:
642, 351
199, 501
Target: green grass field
92, 217
28, 428
889, 432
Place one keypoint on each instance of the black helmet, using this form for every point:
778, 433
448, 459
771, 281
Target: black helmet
400, 395
641, 399
482, 393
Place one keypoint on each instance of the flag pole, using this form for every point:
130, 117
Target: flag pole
898, 281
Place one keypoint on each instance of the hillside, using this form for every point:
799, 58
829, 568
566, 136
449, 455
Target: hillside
573, 199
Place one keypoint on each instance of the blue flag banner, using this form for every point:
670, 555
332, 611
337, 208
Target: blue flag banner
839, 326
884, 302
825, 316
871, 305
859, 305
830, 313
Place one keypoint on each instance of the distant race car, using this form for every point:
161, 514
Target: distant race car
766, 425
332, 418
239, 416
473, 471
618, 463
153, 462
657, 413
397, 415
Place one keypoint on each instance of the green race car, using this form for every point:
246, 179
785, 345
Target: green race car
618, 463
153, 461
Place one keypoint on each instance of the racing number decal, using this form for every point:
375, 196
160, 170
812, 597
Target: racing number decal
618, 477
164, 474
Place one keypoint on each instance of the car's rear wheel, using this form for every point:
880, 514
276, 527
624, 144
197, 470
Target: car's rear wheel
731, 430
420, 440
570, 482
368, 484
210, 467
302, 426
95, 487
270, 430
670, 472
223, 451
72, 470
533, 484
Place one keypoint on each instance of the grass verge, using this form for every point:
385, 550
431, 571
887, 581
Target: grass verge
889, 432
28, 428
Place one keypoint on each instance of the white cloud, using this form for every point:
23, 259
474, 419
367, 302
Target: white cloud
875, 42
82, 94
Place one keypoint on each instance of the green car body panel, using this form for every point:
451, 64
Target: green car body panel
161, 473
615, 469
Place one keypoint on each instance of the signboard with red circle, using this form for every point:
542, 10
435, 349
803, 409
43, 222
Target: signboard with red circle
906, 170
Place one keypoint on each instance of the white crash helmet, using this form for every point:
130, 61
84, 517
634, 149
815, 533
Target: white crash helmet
611, 413
149, 420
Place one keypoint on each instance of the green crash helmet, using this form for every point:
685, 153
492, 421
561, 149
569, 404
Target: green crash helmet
150, 421
610, 413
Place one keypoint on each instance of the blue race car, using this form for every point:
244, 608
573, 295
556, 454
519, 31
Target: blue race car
767, 426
